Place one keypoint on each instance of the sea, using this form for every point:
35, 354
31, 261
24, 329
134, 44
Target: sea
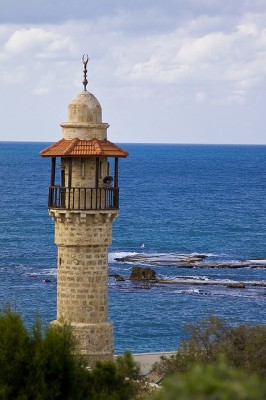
177, 202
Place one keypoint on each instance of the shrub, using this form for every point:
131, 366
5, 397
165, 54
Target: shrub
44, 365
114, 380
243, 347
38, 365
212, 382
14, 340
127, 367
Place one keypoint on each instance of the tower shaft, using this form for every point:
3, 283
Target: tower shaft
82, 297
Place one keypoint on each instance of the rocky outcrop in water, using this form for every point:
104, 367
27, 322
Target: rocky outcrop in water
142, 274
236, 285
163, 259
188, 261
147, 277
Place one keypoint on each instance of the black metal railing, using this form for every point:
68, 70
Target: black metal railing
78, 198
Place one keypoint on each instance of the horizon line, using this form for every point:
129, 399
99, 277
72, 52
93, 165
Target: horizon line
151, 143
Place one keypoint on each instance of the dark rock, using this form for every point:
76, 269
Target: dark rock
124, 259
118, 277
142, 274
236, 285
47, 281
193, 259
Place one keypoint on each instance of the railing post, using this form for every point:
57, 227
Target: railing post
85, 199
73, 198
79, 198
69, 197
63, 197
116, 198
50, 197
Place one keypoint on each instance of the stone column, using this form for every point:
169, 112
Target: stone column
83, 238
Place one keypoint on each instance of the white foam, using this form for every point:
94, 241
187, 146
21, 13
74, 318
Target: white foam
119, 254
49, 271
262, 261
195, 277
193, 291
188, 291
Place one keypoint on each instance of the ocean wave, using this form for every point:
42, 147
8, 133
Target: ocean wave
196, 277
48, 271
189, 291
208, 281
119, 254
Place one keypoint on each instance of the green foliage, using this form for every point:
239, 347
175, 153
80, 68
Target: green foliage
59, 371
114, 380
212, 382
13, 340
38, 365
243, 347
127, 367
44, 365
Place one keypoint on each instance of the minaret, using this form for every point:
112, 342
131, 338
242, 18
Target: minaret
83, 204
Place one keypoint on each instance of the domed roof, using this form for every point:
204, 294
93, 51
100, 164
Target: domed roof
85, 108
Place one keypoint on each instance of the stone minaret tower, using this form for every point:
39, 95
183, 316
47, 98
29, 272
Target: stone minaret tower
83, 204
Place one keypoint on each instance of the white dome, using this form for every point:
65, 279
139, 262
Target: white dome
85, 108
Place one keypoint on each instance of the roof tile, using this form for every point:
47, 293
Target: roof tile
77, 147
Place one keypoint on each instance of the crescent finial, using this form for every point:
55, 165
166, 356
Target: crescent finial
85, 60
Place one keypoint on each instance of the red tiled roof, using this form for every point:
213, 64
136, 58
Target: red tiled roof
77, 147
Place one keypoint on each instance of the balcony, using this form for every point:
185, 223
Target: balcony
77, 198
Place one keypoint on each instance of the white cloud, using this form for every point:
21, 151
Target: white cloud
43, 43
206, 49
237, 97
12, 78
237, 56
35, 57
216, 57
41, 90
200, 97
183, 55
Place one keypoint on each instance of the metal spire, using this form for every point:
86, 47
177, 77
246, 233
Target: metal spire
85, 60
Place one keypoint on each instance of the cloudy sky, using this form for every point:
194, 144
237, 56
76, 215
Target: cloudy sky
164, 71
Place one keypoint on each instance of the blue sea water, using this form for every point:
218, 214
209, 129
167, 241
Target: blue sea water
174, 199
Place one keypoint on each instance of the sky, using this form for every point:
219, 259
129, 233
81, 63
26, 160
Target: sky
171, 71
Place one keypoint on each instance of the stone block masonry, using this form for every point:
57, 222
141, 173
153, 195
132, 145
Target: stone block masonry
83, 228
82, 295
82, 284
